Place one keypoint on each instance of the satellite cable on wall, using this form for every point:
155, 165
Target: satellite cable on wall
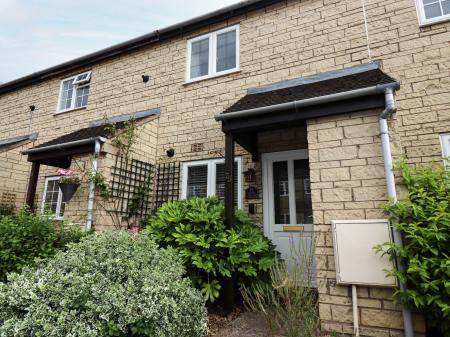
367, 31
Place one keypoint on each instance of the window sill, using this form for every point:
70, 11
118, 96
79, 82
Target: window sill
209, 77
69, 110
423, 24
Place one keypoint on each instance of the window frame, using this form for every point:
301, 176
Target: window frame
211, 177
76, 85
83, 81
445, 145
423, 21
212, 59
57, 215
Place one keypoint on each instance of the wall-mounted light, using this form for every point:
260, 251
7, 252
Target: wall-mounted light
145, 78
170, 153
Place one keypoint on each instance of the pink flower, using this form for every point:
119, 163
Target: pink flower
65, 172
135, 231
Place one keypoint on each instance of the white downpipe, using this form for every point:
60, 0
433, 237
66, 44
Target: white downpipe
355, 311
392, 194
90, 207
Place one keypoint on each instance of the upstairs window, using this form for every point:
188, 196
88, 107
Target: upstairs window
74, 92
432, 11
213, 54
52, 198
205, 178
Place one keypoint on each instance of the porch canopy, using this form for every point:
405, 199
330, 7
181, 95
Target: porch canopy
291, 103
59, 151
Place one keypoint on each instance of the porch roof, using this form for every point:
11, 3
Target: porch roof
18, 139
292, 103
312, 86
58, 151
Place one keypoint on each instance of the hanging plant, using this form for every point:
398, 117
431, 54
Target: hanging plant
68, 183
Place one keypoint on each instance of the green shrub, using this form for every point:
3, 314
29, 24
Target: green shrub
195, 228
27, 236
109, 284
424, 219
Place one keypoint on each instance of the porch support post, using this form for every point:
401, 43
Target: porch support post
229, 180
32, 184
229, 283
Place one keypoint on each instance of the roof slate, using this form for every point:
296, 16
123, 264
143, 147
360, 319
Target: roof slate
317, 89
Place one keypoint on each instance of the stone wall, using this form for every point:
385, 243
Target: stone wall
13, 174
347, 183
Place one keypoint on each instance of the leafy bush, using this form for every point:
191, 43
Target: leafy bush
210, 251
424, 219
109, 284
28, 236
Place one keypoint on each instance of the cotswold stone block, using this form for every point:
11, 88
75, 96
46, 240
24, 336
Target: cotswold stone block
335, 174
338, 153
330, 134
381, 318
370, 193
337, 194
362, 130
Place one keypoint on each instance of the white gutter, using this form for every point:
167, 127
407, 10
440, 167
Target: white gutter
90, 207
392, 194
296, 105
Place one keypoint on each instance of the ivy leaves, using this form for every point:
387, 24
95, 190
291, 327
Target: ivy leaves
210, 251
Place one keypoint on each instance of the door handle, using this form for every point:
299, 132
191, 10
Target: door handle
293, 228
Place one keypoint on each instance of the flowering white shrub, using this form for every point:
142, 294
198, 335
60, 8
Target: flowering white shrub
109, 284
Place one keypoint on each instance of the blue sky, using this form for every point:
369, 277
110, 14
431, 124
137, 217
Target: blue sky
36, 34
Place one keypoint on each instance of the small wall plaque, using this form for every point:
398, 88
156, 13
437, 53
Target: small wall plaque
251, 193
250, 175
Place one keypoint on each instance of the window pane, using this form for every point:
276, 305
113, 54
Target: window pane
281, 192
446, 7
199, 58
226, 51
220, 182
66, 95
52, 196
302, 192
82, 96
197, 181
432, 10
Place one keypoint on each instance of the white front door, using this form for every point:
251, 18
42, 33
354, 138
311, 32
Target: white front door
287, 204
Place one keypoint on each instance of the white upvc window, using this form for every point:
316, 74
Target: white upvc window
445, 142
52, 198
213, 54
432, 11
74, 92
205, 178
